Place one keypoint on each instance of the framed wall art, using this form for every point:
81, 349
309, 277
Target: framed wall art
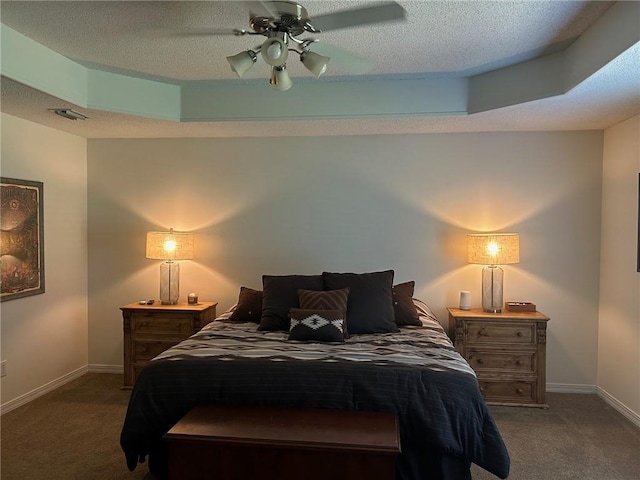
21, 238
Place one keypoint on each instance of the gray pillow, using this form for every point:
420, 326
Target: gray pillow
249, 308
279, 294
370, 303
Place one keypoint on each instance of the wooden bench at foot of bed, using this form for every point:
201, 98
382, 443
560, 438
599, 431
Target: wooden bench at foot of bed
263, 443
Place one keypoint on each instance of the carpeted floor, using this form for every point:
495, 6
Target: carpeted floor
579, 437
73, 434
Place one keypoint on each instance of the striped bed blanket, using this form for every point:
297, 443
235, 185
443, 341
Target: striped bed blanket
416, 373
426, 346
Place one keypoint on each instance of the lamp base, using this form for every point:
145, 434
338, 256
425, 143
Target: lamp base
169, 283
492, 277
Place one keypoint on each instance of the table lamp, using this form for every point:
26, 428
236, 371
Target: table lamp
169, 246
493, 249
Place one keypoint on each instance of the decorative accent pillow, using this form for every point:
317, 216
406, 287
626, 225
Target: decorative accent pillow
324, 300
370, 303
405, 310
249, 308
317, 325
279, 294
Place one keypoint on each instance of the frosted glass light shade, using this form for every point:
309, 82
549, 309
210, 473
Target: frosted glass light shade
242, 62
274, 51
315, 63
280, 79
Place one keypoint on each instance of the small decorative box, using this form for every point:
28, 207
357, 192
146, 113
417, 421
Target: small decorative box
520, 307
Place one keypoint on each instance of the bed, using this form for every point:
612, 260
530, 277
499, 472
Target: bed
411, 370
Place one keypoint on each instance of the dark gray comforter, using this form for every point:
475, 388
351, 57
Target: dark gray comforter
416, 373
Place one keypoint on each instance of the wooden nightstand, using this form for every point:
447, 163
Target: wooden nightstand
507, 351
151, 329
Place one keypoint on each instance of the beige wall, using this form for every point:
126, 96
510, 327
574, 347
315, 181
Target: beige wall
345, 204
303, 205
619, 327
44, 337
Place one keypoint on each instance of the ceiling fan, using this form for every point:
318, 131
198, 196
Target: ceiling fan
281, 22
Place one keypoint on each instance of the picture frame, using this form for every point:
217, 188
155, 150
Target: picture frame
21, 238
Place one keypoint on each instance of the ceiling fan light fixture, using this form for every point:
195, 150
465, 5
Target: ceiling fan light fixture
280, 79
274, 51
242, 62
314, 62
282, 21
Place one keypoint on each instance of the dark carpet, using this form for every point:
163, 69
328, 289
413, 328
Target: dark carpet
73, 433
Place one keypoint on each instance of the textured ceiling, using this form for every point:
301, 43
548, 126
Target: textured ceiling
163, 40
155, 38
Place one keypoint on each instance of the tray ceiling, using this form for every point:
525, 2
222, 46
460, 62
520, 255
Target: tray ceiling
160, 42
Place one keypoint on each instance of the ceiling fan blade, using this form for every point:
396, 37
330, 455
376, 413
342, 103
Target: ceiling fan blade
343, 59
194, 32
203, 32
261, 9
383, 12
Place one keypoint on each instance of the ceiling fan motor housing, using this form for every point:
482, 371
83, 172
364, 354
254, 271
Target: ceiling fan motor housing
287, 17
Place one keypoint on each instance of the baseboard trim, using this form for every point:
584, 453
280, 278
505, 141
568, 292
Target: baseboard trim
571, 388
46, 388
619, 406
103, 368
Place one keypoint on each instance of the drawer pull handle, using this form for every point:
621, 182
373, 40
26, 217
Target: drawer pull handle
480, 360
519, 391
482, 333
518, 362
519, 333
178, 325
144, 324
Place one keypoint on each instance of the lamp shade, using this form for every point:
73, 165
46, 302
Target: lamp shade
169, 245
493, 248
274, 51
280, 79
315, 63
242, 62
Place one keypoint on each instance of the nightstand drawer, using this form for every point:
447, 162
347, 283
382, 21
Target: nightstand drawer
508, 391
487, 360
484, 332
161, 323
146, 350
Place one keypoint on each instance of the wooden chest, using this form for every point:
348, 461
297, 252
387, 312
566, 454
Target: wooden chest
507, 351
264, 443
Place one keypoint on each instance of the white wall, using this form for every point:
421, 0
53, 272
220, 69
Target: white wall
44, 337
304, 205
619, 326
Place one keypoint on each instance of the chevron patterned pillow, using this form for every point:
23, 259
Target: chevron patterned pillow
316, 325
324, 299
